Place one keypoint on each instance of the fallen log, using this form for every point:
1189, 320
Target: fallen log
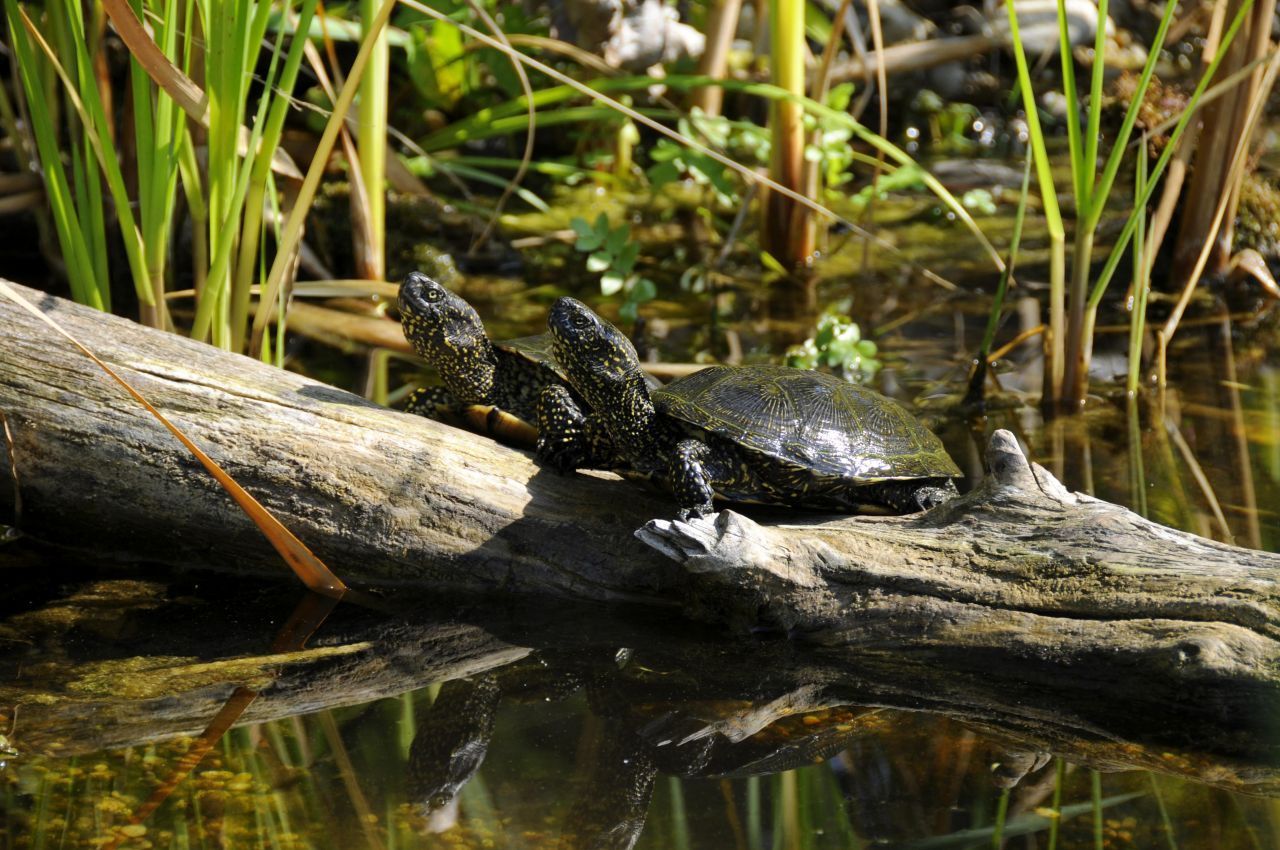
1018, 583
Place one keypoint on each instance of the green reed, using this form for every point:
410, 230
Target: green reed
1071, 337
1141, 277
372, 137
787, 228
80, 149
1002, 814
75, 200
977, 380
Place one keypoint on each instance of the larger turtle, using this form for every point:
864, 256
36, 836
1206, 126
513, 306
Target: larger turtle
494, 387
767, 434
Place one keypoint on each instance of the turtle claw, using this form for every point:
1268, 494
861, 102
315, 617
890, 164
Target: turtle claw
696, 512
556, 455
929, 498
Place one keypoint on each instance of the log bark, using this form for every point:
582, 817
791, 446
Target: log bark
1019, 586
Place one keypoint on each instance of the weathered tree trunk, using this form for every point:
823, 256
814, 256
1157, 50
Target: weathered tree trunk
1019, 584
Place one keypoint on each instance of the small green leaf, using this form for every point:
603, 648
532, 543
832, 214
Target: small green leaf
599, 261
588, 239
617, 239
663, 173
629, 311
611, 284
624, 260
979, 201
770, 263
601, 227
644, 290
589, 242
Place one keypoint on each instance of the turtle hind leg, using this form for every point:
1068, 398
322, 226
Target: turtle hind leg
933, 494
690, 478
909, 496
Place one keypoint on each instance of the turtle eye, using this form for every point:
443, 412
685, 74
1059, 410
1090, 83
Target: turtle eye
433, 295
579, 321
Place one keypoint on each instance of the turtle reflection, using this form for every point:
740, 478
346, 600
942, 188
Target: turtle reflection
636, 747
639, 734
449, 745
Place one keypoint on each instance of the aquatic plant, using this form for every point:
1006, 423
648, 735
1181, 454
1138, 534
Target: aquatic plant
612, 253
837, 344
1070, 336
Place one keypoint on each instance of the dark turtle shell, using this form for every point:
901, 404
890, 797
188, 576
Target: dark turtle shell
808, 419
535, 348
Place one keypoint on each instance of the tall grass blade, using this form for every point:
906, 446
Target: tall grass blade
1080, 175
97, 134
1166, 825
755, 815
1141, 276
1098, 203
1002, 814
1093, 132
259, 176
1054, 354
1055, 822
1096, 786
1188, 112
978, 379
679, 815
292, 234
85, 286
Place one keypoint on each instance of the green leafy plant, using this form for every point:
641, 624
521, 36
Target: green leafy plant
837, 344
672, 162
612, 253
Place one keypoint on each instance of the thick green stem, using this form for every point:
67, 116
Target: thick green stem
1075, 382
788, 226
373, 143
1053, 354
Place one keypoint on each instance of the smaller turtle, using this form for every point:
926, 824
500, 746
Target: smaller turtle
767, 434
492, 387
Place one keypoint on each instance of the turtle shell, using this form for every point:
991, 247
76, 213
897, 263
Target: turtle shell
809, 419
535, 348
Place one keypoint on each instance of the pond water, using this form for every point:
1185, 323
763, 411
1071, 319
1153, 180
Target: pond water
473, 727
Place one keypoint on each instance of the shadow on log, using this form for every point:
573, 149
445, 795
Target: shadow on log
1019, 596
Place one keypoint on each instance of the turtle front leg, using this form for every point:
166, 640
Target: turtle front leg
432, 402
562, 430
690, 478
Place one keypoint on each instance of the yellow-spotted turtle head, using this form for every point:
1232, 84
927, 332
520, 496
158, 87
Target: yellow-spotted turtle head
598, 359
447, 332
